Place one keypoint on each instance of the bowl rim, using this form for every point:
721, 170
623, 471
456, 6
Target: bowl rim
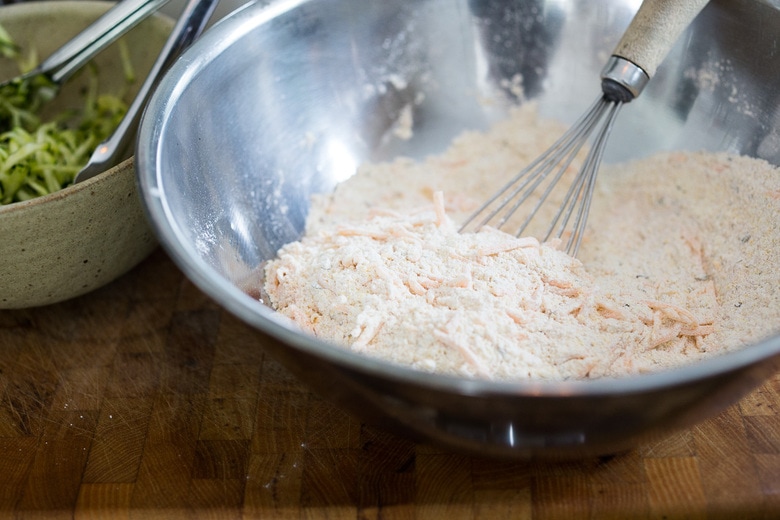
263, 318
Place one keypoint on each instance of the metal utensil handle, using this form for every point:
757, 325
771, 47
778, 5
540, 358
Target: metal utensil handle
102, 32
654, 29
190, 24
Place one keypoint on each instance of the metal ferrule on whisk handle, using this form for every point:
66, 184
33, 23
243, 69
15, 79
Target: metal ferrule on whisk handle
622, 80
645, 43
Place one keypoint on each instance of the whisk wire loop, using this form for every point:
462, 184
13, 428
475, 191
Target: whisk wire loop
535, 169
580, 192
550, 167
567, 149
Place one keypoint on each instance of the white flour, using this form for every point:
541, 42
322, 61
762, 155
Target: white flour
671, 272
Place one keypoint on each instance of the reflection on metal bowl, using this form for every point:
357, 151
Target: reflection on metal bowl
226, 180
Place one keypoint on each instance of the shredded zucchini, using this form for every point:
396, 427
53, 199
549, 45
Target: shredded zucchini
40, 157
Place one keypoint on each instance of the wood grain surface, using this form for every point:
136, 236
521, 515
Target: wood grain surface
145, 400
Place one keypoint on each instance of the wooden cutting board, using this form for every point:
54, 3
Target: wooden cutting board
144, 399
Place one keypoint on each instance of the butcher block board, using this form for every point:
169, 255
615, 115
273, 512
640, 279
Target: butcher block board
145, 400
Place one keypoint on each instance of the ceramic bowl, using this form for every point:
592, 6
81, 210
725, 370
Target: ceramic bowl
70, 242
309, 89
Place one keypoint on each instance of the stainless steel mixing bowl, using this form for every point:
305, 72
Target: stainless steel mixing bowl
276, 103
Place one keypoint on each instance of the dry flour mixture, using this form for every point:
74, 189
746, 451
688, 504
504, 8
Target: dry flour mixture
679, 263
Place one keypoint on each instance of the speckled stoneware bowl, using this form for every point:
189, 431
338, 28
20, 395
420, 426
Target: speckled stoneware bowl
73, 241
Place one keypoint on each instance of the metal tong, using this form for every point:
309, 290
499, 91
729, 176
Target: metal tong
74, 54
190, 24
117, 21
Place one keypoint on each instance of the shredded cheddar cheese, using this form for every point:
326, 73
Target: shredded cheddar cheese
679, 264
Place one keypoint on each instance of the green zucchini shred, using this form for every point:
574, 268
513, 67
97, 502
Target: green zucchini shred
41, 157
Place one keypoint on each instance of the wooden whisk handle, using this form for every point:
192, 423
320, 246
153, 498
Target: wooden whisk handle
654, 29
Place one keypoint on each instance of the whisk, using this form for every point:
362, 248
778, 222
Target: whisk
650, 35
